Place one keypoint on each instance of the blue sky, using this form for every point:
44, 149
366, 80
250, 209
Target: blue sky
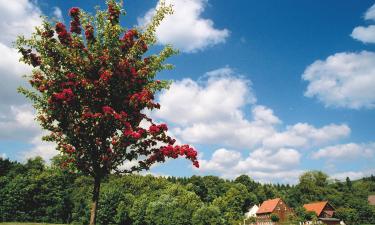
264, 88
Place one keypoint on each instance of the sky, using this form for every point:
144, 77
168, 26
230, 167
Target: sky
270, 89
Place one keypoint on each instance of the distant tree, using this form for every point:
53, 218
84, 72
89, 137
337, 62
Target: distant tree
349, 216
313, 186
233, 204
123, 210
175, 206
5, 166
207, 215
198, 185
250, 184
349, 184
138, 211
91, 91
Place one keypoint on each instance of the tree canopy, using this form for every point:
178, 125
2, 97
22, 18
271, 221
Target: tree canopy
34, 191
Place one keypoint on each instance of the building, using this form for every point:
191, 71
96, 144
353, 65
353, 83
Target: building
252, 212
274, 206
324, 211
371, 200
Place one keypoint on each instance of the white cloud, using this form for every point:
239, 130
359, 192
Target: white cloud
11, 72
221, 110
303, 134
364, 34
18, 124
218, 98
46, 150
343, 80
262, 164
186, 29
221, 160
17, 17
348, 151
370, 13
268, 160
58, 13
214, 112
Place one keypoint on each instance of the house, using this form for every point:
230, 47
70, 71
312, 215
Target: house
252, 212
274, 206
371, 200
324, 211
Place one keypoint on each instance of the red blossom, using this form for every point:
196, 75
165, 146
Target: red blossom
183, 150
64, 37
154, 129
67, 84
60, 27
89, 32
107, 110
74, 12
114, 13
65, 95
136, 135
131, 34
42, 88
105, 76
71, 76
133, 71
75, 27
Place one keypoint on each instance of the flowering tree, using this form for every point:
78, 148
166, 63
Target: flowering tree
91, 90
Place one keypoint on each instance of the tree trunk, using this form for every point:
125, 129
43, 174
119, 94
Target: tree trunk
95, 200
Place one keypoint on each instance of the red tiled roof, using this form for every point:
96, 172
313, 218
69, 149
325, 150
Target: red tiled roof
316, 207
268, 206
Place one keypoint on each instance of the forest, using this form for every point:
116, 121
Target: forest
38, 192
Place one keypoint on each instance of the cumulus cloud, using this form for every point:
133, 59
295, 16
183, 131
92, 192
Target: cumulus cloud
220, 109
370, 13
347, 151
262, 164
46, 150
17, 17
303, 134
18, 124
222, 160
188, 101
186, 29
343, 80
364, 34
11, 72
57, 13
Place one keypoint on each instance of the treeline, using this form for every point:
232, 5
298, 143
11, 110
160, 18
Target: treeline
36, 192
